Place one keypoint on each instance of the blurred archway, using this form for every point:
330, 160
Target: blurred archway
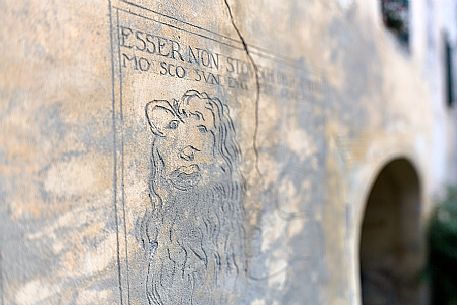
391, 252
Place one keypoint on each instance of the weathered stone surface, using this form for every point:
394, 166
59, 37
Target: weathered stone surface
199, 152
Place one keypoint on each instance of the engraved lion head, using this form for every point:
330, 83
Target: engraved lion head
193, 232
194, 140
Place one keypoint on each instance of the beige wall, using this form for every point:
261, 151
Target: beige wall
321, 98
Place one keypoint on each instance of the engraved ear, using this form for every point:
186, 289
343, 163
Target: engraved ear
159, 114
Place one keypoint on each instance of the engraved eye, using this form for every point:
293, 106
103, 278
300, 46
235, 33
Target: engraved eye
202, 128
173, 124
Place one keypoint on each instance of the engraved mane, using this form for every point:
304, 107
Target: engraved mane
211, 246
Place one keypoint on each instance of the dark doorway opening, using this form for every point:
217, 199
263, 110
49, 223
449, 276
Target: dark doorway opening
391, 249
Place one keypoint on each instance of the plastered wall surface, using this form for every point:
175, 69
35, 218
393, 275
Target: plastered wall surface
199, 152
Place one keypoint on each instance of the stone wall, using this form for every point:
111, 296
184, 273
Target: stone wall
204, 152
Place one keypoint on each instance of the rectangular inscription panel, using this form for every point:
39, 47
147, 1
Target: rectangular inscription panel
211, 134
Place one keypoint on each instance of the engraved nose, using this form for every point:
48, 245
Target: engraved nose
187, 153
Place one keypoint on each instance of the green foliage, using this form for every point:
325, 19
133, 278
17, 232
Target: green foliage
443, 251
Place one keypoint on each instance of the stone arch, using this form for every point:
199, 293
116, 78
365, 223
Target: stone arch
391, 241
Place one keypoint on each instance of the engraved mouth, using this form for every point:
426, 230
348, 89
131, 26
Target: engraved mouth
185, 177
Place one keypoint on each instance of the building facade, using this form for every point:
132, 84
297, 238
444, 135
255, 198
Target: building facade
223, 152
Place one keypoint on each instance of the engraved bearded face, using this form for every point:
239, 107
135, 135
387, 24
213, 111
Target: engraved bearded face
186, 141
197, 190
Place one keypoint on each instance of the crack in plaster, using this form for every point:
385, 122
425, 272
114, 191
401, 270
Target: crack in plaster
251, 59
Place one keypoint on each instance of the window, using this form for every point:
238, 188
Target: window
450, 83
395, 15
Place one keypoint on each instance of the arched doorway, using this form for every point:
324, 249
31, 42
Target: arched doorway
391, 248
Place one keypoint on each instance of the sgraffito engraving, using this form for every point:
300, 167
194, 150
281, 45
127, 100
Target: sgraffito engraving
184, 234
193, 231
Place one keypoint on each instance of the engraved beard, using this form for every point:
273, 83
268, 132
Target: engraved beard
197, 254
193, 234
